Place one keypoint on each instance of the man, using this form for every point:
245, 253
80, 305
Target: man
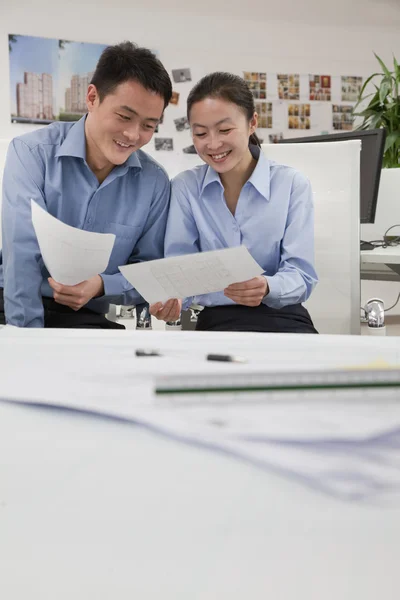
92, 175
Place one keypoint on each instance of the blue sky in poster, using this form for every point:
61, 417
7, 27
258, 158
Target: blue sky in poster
43, 55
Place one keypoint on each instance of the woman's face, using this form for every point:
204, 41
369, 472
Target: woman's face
221, 131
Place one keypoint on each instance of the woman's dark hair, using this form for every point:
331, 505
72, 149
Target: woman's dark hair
226, 86
126, 61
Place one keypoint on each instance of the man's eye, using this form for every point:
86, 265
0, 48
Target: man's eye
125, 118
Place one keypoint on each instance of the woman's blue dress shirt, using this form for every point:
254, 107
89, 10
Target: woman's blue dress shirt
49, 166
274, 219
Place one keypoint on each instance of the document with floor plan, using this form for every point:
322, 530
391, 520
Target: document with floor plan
191, 274
71, 255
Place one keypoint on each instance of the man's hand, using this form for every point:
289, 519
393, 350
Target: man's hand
170, 311
248, 293
76, 296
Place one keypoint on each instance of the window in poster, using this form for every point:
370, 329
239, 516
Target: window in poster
342, 117
320, 88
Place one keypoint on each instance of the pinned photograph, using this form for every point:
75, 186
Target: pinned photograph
257, 83
342, 117
164, 144
351, 88
49, 78
299, 116
181, 124
274, 138
174, 98
320, 88
181, 75
289, 86
264, 111
189, 150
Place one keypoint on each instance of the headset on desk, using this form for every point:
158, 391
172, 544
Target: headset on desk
385, 242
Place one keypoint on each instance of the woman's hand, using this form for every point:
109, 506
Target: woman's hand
248, 293
170, 311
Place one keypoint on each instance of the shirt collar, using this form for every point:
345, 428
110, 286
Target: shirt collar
260, 177
74, 144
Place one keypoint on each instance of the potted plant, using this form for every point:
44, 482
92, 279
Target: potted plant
383, 110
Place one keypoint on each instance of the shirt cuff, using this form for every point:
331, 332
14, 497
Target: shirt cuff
275, 291
115, 285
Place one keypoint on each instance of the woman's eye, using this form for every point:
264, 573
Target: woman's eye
199, 134
225, 130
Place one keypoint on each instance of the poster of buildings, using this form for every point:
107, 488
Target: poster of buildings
320, 87
342, 117
288, 87
49, 78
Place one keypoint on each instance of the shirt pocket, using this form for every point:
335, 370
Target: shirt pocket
126, 237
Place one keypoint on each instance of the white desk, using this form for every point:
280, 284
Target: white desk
381, 263
91, 508
97, 508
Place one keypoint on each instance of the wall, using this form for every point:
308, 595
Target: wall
207, 43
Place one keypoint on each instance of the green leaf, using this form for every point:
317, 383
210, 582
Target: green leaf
391, 140
384, 67
396, 69
366, 83
385, 88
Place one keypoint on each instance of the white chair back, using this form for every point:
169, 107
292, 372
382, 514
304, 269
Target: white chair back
334, 172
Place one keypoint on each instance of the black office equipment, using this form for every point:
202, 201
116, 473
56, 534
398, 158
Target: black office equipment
372, 147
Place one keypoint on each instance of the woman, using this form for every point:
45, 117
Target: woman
240, 197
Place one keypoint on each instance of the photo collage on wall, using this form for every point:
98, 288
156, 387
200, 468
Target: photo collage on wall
299, 116
166, 144
351, 88
289, 87
342, 117
320, 88
257, 83
285, 102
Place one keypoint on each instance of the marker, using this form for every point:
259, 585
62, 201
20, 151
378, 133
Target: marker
226, 358
145, 352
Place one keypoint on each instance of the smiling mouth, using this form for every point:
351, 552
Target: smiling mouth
123, 145
220, 156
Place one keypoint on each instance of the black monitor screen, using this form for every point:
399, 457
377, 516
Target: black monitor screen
372, 147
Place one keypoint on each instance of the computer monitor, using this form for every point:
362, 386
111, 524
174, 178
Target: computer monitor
372, 147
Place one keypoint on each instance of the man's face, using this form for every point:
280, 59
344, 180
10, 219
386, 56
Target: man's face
122, 123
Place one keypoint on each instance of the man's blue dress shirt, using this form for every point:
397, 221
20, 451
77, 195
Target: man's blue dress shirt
49, 166
274, 219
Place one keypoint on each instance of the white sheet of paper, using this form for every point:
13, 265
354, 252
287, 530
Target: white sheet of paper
191, 274
71, 255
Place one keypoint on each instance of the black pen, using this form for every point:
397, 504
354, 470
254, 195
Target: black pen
147, 352
226, 358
